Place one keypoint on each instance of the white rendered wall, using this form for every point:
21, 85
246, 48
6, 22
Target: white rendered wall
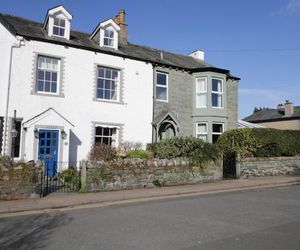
78, 105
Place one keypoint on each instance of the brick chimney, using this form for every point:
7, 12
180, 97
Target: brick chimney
288, 108
120, 20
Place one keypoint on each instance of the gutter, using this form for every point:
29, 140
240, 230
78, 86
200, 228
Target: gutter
14, 46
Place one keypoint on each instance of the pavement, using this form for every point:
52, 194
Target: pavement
81, 200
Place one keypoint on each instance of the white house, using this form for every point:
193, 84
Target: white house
67, 96
70, 89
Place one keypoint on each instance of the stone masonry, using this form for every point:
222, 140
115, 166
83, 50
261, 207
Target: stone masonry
257, 167
130, 174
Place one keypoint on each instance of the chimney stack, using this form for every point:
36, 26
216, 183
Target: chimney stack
288, 108
120, 20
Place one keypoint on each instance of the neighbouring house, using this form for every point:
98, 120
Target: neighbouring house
284, 116
244, 124
71, 89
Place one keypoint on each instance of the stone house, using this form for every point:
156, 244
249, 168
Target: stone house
284, 116
70, 89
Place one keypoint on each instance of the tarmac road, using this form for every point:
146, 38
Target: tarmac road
256, 219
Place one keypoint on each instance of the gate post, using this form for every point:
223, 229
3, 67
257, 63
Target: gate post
83, 176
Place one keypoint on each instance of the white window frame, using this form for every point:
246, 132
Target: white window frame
59, 27
202, 133
162, 86
55, 71
117, 84
216, 133
201, 93
114, 138
219, 93
109, 38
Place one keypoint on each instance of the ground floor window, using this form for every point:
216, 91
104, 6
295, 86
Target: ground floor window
217, 130
106, 135
1, 133
201, 131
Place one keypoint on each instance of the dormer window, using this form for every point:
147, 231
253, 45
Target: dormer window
108, 38
106, 34
59, 27
58, 22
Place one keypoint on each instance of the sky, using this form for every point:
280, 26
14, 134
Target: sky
257, 40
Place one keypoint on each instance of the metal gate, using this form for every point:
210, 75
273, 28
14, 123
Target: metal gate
229, 166
68, 181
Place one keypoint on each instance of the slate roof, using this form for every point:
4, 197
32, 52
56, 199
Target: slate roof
33, 30
272, 115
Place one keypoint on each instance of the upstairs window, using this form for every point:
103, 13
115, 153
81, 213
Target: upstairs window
47, 74
201, 131
217, 93
108, 38
217, 130
59, 27
106, 135
201, 92
161, 86
108, 80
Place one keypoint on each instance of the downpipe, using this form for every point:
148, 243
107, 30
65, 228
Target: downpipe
21, 42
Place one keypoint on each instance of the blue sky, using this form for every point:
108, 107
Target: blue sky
258, 40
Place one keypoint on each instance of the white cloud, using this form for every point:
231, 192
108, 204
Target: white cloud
293, 6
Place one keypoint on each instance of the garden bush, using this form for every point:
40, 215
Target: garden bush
261, 142
102, 152
189, 147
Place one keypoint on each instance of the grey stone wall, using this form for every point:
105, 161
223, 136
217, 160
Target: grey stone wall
129, 174
257, 167
18, 180
180, 91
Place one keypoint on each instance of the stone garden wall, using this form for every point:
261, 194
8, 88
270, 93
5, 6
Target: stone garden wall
17, 180
129, 174
256, 167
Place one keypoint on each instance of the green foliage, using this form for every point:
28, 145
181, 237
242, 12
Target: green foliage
158, 183
138, 154
190, 147
71, 176
261, 142
102, 152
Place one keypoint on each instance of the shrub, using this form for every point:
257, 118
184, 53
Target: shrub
71, 176
193, 148
102, 152
138, 154
127, 146
261, 142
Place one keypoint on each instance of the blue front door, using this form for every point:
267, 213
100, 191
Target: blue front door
48, 150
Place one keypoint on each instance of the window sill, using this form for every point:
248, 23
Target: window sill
158, 100
108, 101
60, 95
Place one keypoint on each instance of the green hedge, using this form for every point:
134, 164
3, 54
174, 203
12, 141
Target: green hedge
188, 147
261, 142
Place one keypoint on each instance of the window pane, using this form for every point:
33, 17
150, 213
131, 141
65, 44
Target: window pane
106, 131
100, 72
98, 130
62, 32
161, 79
107, 84
47, 86
216, 85
53, 87
201, 100
56, 31
54, 77
100, 84
41, 75
214, 99
215, 138
108, 73
106, 94
115, 74
62, 23
202, 137
105, 140
217, 128
98, 139
100, 93
202, 128
201, 85
48, 76
161, 93
56, 21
